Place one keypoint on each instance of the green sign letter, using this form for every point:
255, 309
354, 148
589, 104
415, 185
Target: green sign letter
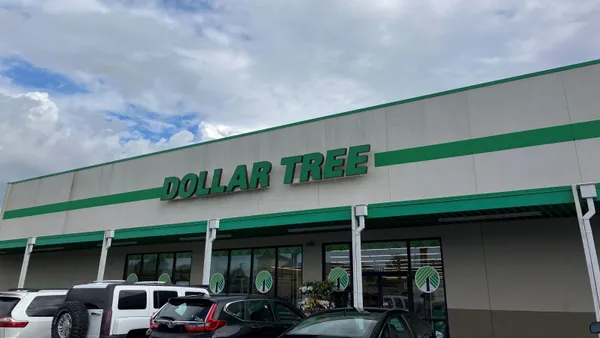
216, 187
169, 189
355, 158
260, 175
332, 162
290, 167
311, 167
239, 179
202, 190
188, 185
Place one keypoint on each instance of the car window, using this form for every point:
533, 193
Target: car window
285, 314
259, 311
185, 310
44, 306
419, 328
92, 298
237, 310
335, 325
394, 328
161, 297
7, 304
132, 300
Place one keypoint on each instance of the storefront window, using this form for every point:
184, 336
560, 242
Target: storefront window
183, 268
429, 306
389, 272
239, 271
264, 260
149, 267
220, 264
289, 273
338, 256
241, 268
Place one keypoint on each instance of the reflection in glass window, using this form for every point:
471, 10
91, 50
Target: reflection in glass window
148, 267
239, 271
289, 273
338, 256
165, 264
429, 306
264, 260
133, 265
240, 267
220, 264
183, 268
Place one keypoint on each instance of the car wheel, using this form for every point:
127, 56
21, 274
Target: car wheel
70, 321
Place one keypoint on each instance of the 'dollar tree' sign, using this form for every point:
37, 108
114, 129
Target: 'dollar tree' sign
334, 163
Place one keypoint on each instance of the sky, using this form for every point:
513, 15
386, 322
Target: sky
89, 81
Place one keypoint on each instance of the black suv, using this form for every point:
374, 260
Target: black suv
234, 316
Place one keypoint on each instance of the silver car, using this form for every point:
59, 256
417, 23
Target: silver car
28, 313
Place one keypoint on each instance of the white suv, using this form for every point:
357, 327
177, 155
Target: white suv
26, 313
110, 309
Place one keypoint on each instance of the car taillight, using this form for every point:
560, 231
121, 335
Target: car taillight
106, 319
9, 322
209, 324
153, 323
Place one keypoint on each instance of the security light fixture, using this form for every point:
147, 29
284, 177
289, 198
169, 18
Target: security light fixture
489, 217
321, 228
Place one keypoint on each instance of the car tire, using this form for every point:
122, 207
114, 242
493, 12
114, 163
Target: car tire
70, 321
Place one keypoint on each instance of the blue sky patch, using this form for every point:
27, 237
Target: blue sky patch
24, 74
153, 126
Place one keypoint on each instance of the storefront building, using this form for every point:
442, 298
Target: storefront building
475, 183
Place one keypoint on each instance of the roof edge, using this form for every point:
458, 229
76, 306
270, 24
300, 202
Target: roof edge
350, 112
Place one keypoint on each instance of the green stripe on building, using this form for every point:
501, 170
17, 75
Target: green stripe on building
481, 145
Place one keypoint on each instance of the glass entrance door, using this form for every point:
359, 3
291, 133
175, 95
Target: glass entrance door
385, 290
389, 270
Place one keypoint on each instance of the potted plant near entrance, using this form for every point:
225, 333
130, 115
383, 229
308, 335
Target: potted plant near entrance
316, 296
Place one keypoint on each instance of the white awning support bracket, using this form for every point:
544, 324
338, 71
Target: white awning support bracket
211, 234
25, 265
109, 235
588, 192
359, 213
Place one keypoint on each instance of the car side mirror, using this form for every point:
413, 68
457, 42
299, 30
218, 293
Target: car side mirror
595, 327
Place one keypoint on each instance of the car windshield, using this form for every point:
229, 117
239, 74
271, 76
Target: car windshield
6, 305
336, 325
185, 310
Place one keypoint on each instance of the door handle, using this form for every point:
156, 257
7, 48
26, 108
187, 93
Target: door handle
95, 314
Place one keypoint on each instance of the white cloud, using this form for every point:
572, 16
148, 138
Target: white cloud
250, 64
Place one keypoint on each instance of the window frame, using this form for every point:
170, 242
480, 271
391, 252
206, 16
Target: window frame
288, 306
156, 298
33, 315
251, 268
408, 241
158, 254
138, 291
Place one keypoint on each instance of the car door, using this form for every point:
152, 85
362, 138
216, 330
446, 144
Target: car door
260, 318
285, 316
394, 327
418, 327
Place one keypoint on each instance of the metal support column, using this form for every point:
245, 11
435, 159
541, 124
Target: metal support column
25, 266
359, 213
211, 235
588, 192
106, 244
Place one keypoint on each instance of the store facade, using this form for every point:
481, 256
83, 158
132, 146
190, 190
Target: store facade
474, 184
